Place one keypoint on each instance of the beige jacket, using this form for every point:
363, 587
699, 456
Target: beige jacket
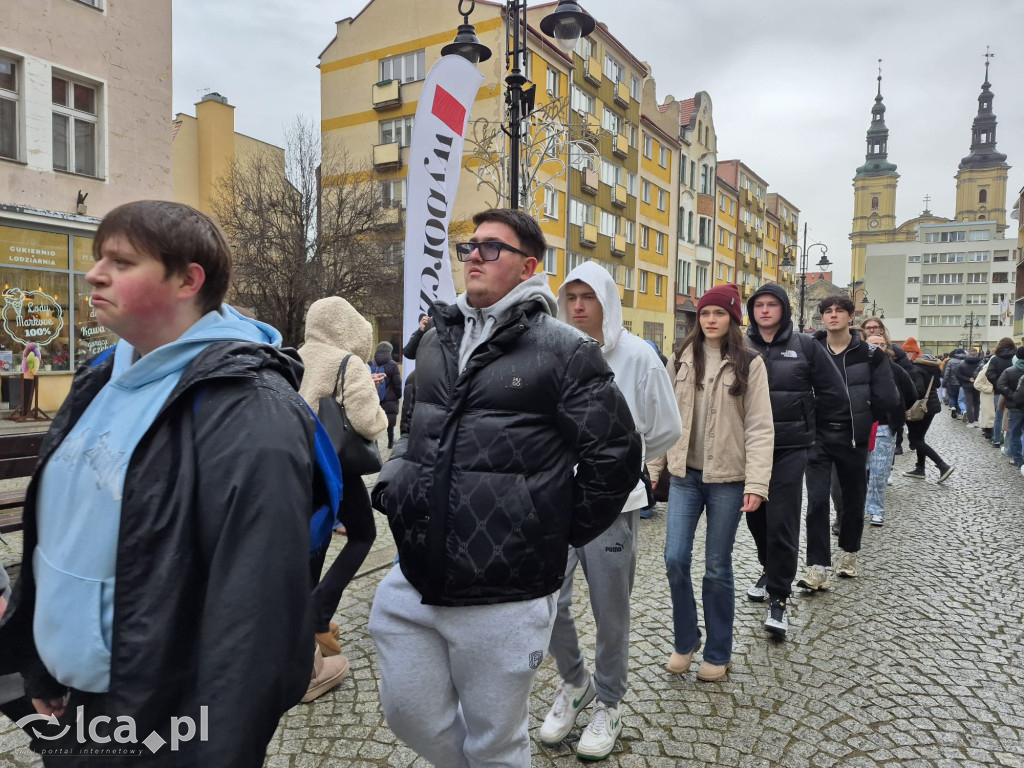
739, 436
334, 329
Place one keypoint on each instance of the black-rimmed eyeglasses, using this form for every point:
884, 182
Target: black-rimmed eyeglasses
490, 250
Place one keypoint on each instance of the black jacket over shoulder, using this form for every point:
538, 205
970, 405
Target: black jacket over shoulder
999, 362
965, 371
1008, 385
798, 372
872, 391
212, 580
481, 495
928, 370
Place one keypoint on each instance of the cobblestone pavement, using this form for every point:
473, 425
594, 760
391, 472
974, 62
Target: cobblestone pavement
915, 663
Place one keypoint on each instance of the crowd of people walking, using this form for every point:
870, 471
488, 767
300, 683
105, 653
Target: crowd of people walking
174, 563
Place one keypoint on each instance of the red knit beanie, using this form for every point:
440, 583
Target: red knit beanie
725, 296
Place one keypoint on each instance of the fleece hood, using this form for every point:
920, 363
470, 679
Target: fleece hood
334, 323
607, 292
770, 289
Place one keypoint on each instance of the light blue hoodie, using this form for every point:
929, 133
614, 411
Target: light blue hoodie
79, 501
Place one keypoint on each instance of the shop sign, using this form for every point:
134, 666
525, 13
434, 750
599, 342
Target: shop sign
83, 254
96, 337
31, 316
32, 248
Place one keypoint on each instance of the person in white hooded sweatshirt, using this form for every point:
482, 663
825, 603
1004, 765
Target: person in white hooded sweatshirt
589, 301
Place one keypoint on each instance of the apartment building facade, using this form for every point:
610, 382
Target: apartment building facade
85, 91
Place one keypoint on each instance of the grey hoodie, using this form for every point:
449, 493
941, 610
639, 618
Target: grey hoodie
480, 323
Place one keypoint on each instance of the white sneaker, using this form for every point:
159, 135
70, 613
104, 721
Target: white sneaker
562, 717
889, 480
815, 578
599, 737
877, 520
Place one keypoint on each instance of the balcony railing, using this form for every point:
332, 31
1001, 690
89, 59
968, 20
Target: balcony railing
619, 244
588, 234
619, 196
622, 94
589, 180
592, 71
386, 94
387, 155
621, 145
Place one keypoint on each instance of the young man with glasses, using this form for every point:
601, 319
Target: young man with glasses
520, 447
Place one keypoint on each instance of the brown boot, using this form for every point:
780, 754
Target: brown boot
327, 674
334, 630
328, 643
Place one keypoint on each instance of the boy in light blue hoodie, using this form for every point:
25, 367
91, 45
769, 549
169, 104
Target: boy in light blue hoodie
166, 528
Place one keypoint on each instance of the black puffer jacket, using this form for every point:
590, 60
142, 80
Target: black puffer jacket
965, 371
928, 370
999, 362
798, 371
1009, 387
872, 391
907, 387
393, 390
949, 372
212, 529
481, 496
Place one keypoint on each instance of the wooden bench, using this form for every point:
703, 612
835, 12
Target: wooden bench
18, 457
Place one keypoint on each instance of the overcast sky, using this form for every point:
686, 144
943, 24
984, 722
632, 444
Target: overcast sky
792, 82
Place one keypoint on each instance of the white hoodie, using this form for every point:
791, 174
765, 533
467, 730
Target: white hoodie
639, 374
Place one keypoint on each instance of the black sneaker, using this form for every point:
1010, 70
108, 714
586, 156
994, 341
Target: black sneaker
917, 472
758, 593
777, 622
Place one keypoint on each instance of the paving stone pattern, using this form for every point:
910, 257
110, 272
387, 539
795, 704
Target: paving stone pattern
915, 663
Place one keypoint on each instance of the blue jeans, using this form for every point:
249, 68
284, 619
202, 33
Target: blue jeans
879, 467
688, 497
1014, 432
997, 428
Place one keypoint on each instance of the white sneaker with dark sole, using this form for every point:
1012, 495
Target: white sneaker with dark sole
599, 737
877, 520
846, 565
758, 593
777, 623
569, 702
815, 578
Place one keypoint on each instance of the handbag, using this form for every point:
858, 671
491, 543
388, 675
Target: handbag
356, 454
917, 411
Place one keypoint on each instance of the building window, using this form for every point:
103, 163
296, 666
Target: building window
657, 284
663, 157
634, 88
648, 147
979, 234
612, 122
914, 259
913, 279
9, 109
911, 299
609, 224
662, 199
874, 203
704, 230
581, 101
551, 203
705, 179
585, 48
630, 231
689, 226
75, 134
397, 131
613, 70
611, 174
580, 213
573, 260
645, 237
643, 281
910, 321
394, 254
645, 191
392, 193
406, 68
553, 83
983, 196
550, 261
660, 239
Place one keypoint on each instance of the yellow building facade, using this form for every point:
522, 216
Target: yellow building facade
205, 148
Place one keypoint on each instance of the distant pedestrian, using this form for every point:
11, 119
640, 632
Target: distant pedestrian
388, 378
928, 374
720, 466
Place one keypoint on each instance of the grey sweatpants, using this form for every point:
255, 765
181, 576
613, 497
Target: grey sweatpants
455, 681
609, 564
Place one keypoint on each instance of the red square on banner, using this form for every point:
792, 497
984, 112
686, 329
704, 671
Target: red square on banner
448, 110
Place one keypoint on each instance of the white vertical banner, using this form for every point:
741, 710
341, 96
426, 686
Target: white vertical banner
435, 164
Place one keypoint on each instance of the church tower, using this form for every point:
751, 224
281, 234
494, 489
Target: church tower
874, 190
982, 177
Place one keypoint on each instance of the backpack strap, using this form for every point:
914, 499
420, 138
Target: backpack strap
339, 379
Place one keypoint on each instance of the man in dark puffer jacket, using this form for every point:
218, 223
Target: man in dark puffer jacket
843, 432
520, 446
798, 370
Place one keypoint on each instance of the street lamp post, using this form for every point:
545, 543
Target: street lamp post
823, 264
876, 311
970, 324
566, 24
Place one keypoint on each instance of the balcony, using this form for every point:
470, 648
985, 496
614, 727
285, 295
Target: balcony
759, 235
619, 244
759, 263
592, 71
619, 196
386, 94
761, 204
748, 197
746, 230
588, 234
620, 146
392, 214
589, 180
745, 291
387, 156
622, 94
746, 260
